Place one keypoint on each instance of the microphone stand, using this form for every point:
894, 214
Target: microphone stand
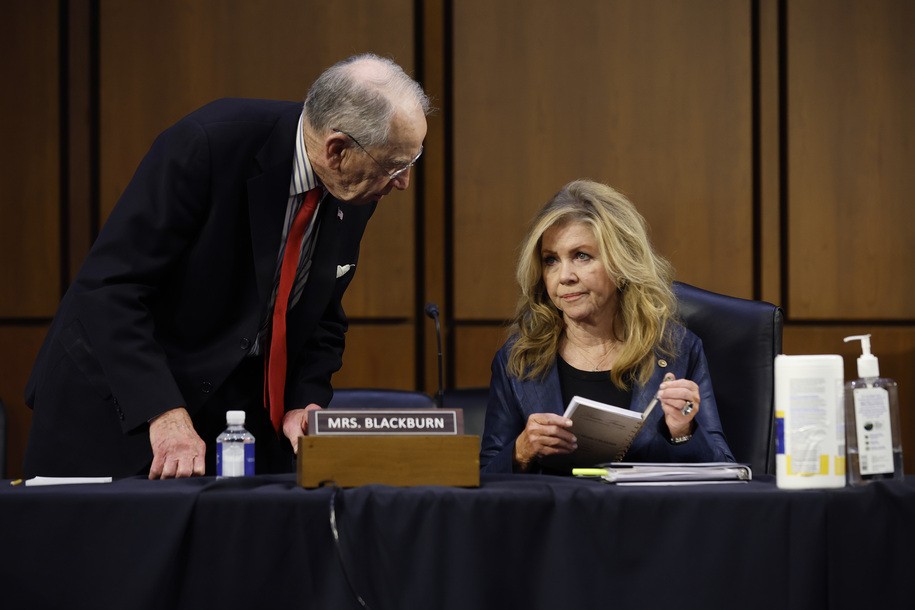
432, 312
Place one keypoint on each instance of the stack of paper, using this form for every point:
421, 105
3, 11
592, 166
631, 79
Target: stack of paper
653, 473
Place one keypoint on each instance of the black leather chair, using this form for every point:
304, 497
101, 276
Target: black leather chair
380, 398
741, 339
473, 402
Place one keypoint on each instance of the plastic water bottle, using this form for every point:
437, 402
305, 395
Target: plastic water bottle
235, 448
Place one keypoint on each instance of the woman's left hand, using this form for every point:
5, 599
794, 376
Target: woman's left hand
680, 400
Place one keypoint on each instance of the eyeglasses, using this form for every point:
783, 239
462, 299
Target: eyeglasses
390, 174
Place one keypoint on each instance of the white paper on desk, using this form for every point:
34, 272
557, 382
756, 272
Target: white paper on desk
658, 473
671, 483
39, 481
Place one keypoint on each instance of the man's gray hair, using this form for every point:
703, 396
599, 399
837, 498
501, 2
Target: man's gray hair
361, 102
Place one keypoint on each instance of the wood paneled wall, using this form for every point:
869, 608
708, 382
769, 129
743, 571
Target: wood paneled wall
850, 147
766, 142
30, 200
848, 142
620, 92
30, 158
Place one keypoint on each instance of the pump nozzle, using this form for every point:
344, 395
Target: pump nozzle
867, 363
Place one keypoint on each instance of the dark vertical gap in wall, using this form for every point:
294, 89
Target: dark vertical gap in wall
95, 157
449, 330
756, 103
419, 214
63, 54
783, 151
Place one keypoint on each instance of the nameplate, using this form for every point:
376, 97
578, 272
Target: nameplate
323, 422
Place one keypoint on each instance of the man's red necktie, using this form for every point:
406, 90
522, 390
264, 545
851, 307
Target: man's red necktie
275, 381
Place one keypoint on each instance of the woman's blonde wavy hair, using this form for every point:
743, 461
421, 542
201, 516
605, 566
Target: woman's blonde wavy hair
646, 301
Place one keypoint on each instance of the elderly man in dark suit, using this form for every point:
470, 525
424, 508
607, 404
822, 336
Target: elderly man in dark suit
216, 282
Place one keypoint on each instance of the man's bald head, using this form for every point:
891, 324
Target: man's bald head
361, 95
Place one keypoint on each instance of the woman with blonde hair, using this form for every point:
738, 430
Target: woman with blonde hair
597, 319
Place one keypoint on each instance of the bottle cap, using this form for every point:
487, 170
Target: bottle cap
235, 418
867, 363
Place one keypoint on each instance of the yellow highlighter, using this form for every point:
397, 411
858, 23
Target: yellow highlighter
589, 472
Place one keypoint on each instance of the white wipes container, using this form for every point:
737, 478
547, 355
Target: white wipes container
809, 422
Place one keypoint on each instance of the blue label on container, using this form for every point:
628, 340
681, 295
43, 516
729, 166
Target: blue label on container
780, 436
249, 460
234, 461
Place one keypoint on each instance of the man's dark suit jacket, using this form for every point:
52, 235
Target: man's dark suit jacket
176, 287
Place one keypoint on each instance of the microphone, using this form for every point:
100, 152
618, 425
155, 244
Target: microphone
432, 312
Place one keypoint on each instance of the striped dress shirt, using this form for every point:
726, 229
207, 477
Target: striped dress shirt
303, 180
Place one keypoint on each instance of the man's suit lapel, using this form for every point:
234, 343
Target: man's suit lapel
268, 194
322, 276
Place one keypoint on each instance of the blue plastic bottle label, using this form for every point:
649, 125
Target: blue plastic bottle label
249, 460
780, 434
234, 459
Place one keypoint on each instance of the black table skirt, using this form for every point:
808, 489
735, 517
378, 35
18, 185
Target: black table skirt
515, 542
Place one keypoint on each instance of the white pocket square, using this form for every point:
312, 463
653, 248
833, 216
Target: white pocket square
343, 270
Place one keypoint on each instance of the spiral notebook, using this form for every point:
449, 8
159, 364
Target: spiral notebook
604, 433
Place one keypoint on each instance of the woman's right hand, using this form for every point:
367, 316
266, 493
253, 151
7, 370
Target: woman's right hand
545, 434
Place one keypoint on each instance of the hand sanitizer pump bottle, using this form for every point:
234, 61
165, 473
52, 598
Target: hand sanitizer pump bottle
873, 434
